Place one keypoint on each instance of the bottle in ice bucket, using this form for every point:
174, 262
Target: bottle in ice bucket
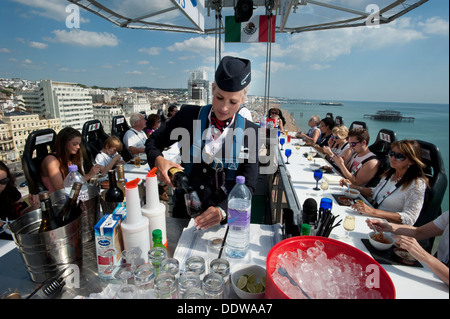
73, 176
239, 210
48, 221
71, 209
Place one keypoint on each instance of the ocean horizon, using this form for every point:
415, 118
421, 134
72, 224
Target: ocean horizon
431, 121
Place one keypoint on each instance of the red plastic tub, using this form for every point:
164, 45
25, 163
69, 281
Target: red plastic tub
332, 248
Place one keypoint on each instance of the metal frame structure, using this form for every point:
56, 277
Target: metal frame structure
295, 15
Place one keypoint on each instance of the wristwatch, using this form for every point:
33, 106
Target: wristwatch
222, 212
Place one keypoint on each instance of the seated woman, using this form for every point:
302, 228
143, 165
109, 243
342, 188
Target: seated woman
326, 127
338, 144
313, 134
12, 204
55, 167
274, 114
399, 195
153, 123
108, 156
407, 237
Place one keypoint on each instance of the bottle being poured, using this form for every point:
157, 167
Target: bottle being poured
191, 198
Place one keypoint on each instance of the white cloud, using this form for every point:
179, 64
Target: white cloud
4, 50
435, 25
150, 51
318, 67
199, 45
133, 72
84, 38
53, 9
143, 62
38, 45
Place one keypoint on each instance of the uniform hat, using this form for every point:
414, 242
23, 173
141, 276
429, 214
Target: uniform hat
233, 74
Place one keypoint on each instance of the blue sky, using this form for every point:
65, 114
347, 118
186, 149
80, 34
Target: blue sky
404, 61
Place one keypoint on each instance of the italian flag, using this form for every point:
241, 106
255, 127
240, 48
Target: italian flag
254, 30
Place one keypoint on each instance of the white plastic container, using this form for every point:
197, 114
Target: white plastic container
154, 210
72, 177
135, 231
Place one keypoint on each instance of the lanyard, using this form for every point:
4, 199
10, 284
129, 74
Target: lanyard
376, 202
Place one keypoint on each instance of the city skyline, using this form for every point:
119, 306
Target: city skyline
404, 61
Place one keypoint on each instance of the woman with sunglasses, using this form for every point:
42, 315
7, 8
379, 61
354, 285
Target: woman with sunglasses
12, 204
274, 114
338, 144
55, 167
399, 195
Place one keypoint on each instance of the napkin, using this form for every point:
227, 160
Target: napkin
332, 179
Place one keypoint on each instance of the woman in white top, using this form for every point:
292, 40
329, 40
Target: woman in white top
399, 195
407, 236
339, 145
108, 156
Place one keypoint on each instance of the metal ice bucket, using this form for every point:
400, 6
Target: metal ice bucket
46, 254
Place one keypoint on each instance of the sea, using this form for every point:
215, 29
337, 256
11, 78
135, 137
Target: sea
431, 121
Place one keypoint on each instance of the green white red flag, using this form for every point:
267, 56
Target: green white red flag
255, 30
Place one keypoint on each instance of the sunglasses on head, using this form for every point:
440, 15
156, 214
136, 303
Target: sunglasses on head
398, 156
4, 181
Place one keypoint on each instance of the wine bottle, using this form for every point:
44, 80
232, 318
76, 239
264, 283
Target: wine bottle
113, 194
121, 179
48, 221
71, 210
179, 179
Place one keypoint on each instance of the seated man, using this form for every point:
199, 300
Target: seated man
135, 138
363, 164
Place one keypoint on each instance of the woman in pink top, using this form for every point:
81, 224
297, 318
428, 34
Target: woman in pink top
55, 167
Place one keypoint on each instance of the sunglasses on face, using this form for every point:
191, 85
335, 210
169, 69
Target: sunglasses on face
398, 156
335, 137
4, 181
353, 144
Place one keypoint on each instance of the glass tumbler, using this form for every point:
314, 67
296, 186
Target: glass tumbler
144, 279
213, 286
197, 265
194, 293
221, 267
170, 265
166, 286
188, 279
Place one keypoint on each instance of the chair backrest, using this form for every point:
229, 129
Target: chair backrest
382, 144
356, 124
93, 136
435, 171
38, 145
339, 120
118, 128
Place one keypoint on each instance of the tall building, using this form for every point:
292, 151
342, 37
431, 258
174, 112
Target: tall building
105, 113
69, 102
199, 90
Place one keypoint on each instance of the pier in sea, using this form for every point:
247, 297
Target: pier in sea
389, 115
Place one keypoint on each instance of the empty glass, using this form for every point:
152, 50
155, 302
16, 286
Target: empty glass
288, 153
165, 286
317, 176
170, 265
194, 293
155, 256
213, 286
221, 267
130, 255
144, 280
282, 140
197, 265
107, 258
188, 279
213, 248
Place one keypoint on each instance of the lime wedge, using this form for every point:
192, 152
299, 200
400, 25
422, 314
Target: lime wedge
263, 281
251, 279
259, 288
251, 288
242, 282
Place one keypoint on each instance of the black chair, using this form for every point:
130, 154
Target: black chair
38, 145
435, 171
118, 128
381, 148
93, 136
339, 120
356, 124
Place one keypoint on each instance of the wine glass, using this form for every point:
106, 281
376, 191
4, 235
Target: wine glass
193, 204
324, 186
349, 225
282, 140
317, 176
130, 256
287, 152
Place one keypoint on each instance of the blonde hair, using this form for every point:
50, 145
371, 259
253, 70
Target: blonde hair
244, 90
113, 141
340, 131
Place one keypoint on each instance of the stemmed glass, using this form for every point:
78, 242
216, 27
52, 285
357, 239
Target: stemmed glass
349, 225
317, 176
193, 204
287, 152
130, 256
324, 186
282, 140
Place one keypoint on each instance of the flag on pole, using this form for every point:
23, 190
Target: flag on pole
254, 30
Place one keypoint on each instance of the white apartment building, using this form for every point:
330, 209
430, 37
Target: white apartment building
69, 102
135, 103
105, 113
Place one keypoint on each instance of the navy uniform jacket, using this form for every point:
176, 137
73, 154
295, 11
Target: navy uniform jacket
202, 177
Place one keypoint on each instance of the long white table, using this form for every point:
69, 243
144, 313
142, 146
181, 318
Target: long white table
410, 282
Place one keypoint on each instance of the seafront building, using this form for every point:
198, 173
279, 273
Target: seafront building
69, 102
